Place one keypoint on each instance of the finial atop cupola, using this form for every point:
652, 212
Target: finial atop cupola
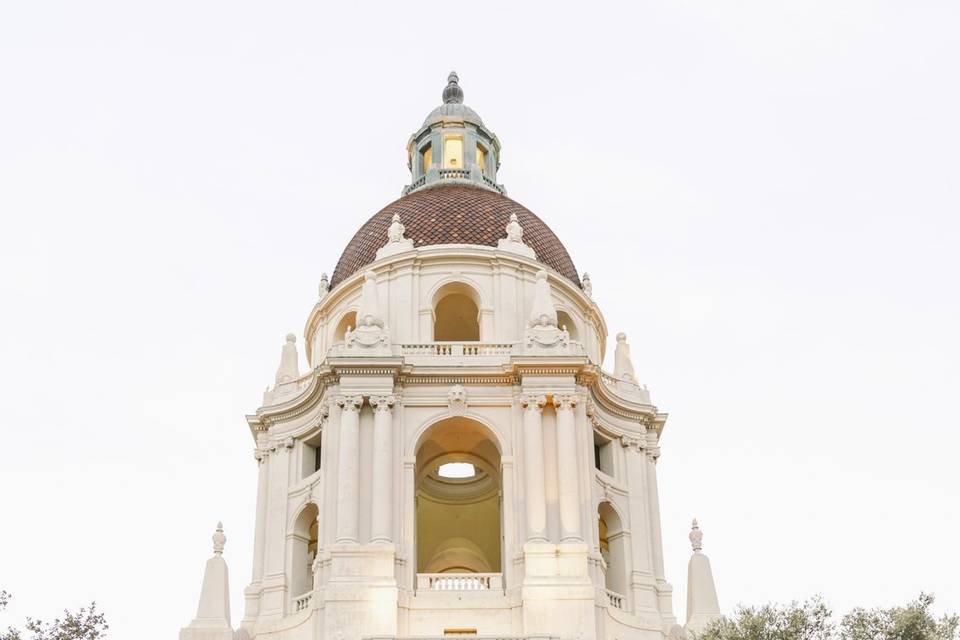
452, 93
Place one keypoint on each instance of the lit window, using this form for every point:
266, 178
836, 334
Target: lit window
427, 158
457, 470
481, 159
453, 153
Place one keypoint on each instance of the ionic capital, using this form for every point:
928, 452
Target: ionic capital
382, 403
533, 401
350, 403
565, 401
633, 442
281, 444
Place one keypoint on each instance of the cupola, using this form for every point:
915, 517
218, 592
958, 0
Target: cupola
453, 146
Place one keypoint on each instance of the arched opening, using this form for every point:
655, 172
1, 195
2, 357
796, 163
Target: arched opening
456, 314
347, 322
564, 321
612, 544
458, 484
304, 543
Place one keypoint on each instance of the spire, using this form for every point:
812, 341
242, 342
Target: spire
542, 331
324, 285
369, 314
213, 612
543, 313
587, 284
371, 337
622, 364
452, 93
289, 369
702, 604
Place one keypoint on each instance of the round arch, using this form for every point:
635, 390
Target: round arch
567, 320
304, 545
456, 313
458, 518
346, 320
461, 284
613, 539
420, 434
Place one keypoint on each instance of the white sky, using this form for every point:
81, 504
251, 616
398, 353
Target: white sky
765, 194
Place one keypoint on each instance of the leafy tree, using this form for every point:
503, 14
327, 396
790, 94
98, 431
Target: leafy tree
811, 620
912, 622
85, 624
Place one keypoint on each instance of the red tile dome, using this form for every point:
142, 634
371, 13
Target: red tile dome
454, 214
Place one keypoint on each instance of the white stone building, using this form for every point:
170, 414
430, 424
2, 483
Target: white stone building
455, 461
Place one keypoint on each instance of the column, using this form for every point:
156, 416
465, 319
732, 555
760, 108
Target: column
381, 505
409, 515
262, 456
636, 461
507, 515
567, 476
279, 483
533, 467
656, 539
348, 494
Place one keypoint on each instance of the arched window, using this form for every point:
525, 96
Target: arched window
612, 544
456, 314
304, 541
458, 520
564, 321
348, 321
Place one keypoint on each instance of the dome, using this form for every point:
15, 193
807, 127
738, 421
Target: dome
454, 214
453, 110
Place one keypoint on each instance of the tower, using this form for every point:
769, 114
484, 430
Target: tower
455, 460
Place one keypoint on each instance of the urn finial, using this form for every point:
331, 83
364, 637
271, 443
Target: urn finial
696, 536
452, 92
219, 540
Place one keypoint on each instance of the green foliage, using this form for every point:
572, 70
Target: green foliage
811, 620
912, 622
85, 624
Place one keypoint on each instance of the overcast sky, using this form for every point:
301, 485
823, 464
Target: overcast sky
764, 193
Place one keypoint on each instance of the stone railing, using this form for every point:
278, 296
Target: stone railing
459, 581
457, 349
615, 599
302, 602
625, 388
419, 182
454, 173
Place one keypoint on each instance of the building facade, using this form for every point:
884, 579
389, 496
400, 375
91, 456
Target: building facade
455, 461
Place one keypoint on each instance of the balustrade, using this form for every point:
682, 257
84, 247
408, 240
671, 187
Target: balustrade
302, 602
459, 581
615, 599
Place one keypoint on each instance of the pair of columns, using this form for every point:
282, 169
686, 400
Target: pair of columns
567, 475
348, 487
